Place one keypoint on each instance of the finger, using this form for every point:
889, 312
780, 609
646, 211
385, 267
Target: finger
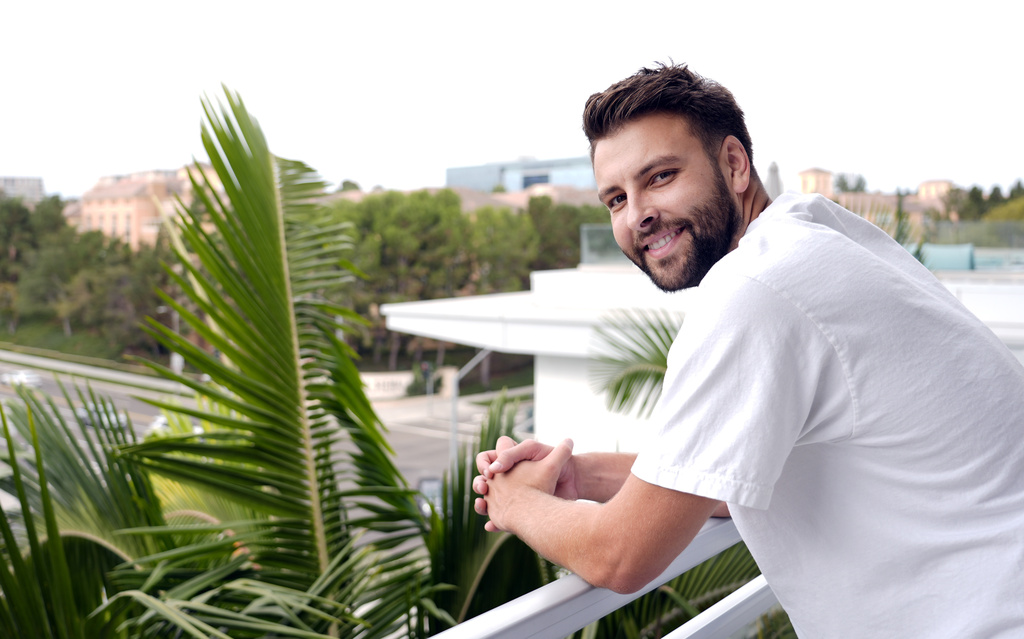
484, 459
561, 454
528, 450
479, 485
504, 443
480, 506
490, 527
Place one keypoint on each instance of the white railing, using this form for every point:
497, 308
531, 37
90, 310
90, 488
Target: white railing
561, 608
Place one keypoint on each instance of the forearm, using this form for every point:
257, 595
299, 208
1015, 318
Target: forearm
599, 476
621, 544
567, 533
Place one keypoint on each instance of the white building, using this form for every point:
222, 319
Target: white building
522, 174
29, 189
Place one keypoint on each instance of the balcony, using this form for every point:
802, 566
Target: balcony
569, 604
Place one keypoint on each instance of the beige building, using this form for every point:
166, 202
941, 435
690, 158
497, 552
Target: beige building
130, 207
931, 196
816, 181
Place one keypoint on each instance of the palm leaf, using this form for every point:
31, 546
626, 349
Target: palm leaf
466, 557
632, 357
261, 271
39, 597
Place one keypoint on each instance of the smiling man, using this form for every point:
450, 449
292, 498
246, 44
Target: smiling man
863, 429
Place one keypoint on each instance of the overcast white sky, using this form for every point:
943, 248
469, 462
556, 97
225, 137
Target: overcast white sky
393, 93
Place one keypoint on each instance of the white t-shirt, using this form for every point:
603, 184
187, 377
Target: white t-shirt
866, 430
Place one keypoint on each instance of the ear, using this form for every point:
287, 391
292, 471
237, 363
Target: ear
735, 164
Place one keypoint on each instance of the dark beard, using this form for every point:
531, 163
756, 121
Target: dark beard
719, 219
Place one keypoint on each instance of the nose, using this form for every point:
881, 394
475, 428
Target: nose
641, 215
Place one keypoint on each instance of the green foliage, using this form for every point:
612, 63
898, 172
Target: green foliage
505, 244
850, 183
1012, 210
558, 231
632, 357
17, 237
260, 272
485, 569
82, 494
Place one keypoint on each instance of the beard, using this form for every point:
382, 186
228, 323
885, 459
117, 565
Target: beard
712, 227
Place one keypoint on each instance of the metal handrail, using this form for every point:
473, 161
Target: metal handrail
561, 608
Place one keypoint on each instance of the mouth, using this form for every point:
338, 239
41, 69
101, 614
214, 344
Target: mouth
663, 241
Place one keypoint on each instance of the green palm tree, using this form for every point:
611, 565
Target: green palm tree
292, 443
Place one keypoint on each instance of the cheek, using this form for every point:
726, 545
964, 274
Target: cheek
623, 236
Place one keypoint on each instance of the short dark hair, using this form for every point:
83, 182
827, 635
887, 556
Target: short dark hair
709, 108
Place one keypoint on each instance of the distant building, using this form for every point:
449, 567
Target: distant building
816, 181
29, 189
522, 174
130, 207
931, 196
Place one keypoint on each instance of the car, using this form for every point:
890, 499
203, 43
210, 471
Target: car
21, 378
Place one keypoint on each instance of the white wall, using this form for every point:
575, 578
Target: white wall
566, 406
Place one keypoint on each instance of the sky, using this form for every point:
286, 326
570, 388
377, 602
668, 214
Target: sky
393, 93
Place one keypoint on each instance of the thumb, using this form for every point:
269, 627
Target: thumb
561, 453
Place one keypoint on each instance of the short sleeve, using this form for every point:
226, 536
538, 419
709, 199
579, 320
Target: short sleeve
743, 387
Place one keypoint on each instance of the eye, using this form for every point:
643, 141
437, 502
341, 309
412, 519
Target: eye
617, 200
661, 177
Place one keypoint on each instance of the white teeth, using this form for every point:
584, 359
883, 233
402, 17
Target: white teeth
662, 242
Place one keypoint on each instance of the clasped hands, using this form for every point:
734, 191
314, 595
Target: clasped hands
512, 470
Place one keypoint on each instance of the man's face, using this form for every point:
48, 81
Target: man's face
671, 209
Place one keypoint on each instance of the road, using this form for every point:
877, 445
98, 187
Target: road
419, 427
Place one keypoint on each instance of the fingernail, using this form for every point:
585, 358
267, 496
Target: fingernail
495, 467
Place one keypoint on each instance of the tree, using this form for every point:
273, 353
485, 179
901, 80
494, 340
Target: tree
17, 237
1012, 210
850, 183
973, 207
995, 198
412, 247
48, 218
558, 231
1017, 190
261, 274
347, 185
504, 244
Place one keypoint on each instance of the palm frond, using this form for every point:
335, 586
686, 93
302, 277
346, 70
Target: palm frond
261, 270
631, 358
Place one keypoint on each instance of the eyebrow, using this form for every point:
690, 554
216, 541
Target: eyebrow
661, 159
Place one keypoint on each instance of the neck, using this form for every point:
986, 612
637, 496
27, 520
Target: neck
754, 200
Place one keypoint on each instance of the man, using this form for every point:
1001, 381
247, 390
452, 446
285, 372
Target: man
863, 429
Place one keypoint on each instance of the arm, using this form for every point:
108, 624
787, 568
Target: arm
621, 544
